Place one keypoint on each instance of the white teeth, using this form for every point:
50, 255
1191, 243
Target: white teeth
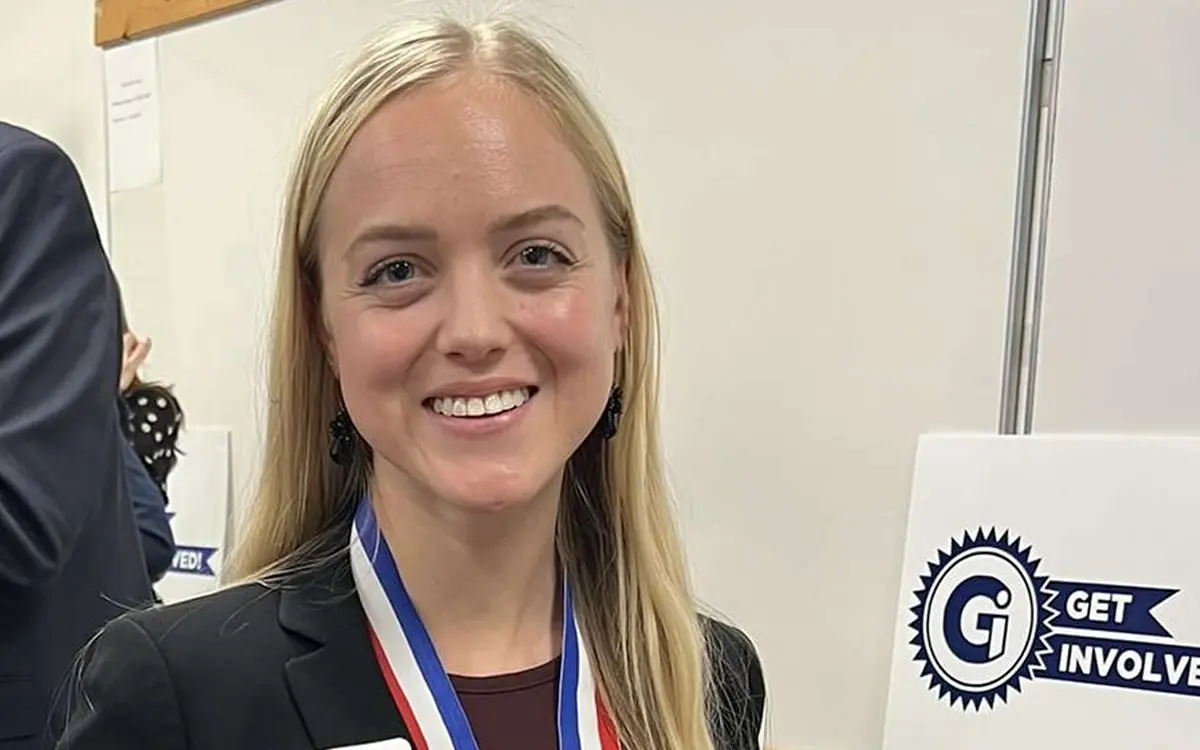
475, 406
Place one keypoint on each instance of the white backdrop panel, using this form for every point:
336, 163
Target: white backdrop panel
1117, 347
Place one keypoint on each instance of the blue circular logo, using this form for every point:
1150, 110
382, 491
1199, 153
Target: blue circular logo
982, 619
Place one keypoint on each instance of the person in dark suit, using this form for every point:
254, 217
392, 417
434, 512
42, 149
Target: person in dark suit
70, 559
462, 536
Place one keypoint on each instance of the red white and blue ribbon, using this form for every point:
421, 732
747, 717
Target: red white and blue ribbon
419, 685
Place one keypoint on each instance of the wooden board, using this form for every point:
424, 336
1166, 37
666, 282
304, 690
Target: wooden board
121, 20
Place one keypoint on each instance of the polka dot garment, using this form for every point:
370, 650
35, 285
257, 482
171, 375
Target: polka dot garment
155, 418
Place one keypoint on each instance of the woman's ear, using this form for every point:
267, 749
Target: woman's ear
328, 348
330, 351
317, 315
324, 335
621, 311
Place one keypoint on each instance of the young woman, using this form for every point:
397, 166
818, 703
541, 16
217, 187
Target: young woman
462, 537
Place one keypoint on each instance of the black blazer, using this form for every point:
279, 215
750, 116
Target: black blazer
258, 668
70, 559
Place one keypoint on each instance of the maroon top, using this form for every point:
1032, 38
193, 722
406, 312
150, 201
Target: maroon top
517, 711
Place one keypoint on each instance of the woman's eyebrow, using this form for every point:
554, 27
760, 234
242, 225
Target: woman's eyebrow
389, 232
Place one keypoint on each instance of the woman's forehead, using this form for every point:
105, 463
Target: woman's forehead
464, 146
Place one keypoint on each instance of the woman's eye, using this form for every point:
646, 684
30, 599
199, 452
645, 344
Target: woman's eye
542, 255
392, 272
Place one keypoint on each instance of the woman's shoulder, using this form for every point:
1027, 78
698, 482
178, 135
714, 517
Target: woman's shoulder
260, 617
165, 676
237, 617
738, 696
729, 644
225, 646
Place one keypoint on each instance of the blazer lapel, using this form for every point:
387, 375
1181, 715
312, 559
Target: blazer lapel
336, 684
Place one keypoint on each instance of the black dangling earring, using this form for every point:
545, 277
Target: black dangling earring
611, 417
341, 433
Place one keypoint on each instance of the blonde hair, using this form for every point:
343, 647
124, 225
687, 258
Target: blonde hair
616, 534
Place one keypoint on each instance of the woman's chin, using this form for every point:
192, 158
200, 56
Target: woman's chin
467, 484
490, 494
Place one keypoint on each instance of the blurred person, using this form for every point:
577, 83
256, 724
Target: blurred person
155, 416
149, 515
70, 559
462, 536
151, 419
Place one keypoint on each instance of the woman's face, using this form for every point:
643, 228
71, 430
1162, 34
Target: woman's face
472, 304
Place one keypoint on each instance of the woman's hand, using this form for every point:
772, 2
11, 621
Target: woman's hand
134, 353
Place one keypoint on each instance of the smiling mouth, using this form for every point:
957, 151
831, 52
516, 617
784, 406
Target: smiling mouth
480, 407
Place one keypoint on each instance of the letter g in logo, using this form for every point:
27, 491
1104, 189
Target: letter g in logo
975, 624
981, 619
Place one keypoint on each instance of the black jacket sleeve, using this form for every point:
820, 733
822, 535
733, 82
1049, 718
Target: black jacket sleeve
150, 514
59, 361
124, 698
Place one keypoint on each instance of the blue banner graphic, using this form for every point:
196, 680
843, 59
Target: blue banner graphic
987, 619
194, 561
1108, 607
1157, 667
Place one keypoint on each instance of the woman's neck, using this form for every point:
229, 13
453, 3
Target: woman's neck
484, 583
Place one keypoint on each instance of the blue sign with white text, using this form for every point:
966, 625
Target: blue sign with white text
194, 561
987, 619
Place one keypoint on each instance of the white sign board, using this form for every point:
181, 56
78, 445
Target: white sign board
1050, 596
199, 490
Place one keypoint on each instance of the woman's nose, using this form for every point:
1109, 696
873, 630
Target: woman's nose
475, 328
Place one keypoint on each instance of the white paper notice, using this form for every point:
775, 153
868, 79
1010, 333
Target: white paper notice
131, 101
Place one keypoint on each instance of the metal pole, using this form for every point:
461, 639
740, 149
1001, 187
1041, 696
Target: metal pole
1045, 173
1016, 334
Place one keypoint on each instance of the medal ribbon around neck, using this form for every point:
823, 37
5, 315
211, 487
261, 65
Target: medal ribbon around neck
416, 678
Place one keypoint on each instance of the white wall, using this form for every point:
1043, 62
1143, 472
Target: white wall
827, 192
1118, 346
51, 82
